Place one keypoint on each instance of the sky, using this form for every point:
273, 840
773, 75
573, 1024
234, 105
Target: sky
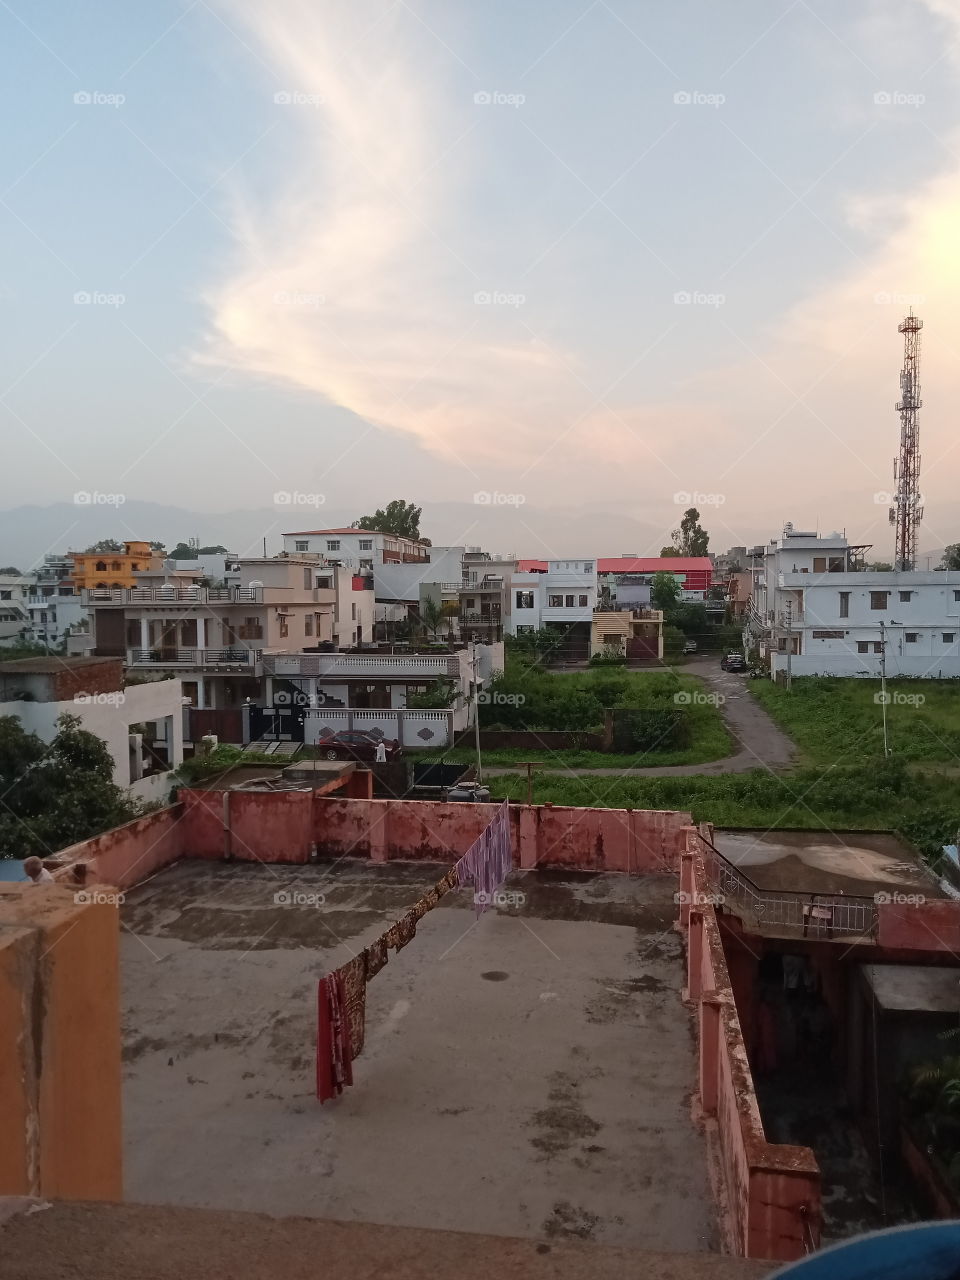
325, 253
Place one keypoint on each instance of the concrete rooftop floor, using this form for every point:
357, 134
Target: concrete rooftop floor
527, 1074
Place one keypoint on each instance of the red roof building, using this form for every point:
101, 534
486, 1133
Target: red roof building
697, 570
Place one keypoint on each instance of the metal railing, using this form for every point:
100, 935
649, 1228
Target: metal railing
816, 914
355, 664
172, 595
239, 656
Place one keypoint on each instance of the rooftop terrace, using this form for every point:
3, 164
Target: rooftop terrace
526, 1074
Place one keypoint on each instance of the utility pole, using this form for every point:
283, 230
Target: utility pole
476, 707
883, 686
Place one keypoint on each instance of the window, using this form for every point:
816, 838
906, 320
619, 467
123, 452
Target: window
471, 603
835, 564
101, 567
556, 602
524, 599
366, 544
863, 646
323, 584
353, 613
302, 545
588, 566
308, 624
583, 601
956, 595
284, 628
525, 630
569, 601
905, 597
948, 637
844, 604
878, 646
828, 635
911, 637
307, 578
6, 595
878, 599
333, 544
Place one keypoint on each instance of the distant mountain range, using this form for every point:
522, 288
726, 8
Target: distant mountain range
593, 529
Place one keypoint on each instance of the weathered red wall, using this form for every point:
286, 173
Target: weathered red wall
925, 926
772, 1192
543, 835
202, 823
270, 826
128, 854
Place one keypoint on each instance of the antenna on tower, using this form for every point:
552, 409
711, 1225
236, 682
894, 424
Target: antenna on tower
907, 511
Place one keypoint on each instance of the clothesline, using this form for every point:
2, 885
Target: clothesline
342, 995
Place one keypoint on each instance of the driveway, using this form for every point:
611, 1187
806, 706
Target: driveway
760, 743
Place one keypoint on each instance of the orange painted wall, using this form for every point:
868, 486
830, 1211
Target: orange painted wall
59, 1044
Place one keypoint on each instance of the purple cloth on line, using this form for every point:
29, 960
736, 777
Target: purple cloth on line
488, 861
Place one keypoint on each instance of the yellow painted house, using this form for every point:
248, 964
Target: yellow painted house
113, 568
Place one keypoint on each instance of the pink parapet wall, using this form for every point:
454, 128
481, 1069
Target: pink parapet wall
126, 855
771, 1191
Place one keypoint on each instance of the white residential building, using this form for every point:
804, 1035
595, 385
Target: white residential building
15, 591
566, 595
817, 610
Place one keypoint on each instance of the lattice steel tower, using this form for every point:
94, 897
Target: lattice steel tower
907, 511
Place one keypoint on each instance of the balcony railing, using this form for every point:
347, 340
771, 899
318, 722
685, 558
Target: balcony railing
398, 665
172, 595
837, 914
237, 657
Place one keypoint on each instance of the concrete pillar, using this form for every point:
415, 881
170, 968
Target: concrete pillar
379, 830
201, 692
694, 955
144, 634
686, 886
528, 835
710, 1017
60, 1046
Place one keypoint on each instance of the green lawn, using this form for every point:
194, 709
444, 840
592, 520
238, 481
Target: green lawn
881, 796
841, 721
709, 738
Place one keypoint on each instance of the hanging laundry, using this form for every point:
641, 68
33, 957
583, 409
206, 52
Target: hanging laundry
406, 928
333, 1039
375, 957
448, 882
488, 861
354, 978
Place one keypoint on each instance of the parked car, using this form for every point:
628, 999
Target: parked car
470, 792
690, 646
733, 662
356, 744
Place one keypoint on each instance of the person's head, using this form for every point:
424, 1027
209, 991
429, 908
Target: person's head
32, 867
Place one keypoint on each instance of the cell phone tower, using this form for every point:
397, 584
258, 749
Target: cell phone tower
907, 510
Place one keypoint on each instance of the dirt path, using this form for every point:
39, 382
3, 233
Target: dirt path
760, 743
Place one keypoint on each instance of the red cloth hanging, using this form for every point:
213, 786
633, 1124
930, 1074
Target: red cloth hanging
334, 1072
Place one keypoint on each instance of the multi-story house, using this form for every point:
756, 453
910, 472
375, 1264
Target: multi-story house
56, 611
562, 598
214, 638
113, 569
694, 574
141, 724
818, 611
357, 548
14, 610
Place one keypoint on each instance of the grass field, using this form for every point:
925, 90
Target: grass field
709, 737
841, 720
881, 796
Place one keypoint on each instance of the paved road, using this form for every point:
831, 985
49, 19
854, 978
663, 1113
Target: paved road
759, 742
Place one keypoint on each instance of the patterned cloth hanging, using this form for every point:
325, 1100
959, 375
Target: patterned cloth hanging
333, 1039
488, 861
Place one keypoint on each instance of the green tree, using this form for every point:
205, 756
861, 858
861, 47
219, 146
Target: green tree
190, 550
11, 568
668, 551
951, 557
665, 592
104, 545
157, 546
432, 615
400, 518
56, 793
691, 539
437, 696
881, 566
